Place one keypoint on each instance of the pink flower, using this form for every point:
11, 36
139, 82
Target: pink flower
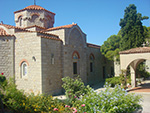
55, 109
75, 96
74, 109
83, 105
2, 73
66, 106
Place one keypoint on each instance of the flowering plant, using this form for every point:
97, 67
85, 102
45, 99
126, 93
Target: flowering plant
74, 88
110, 100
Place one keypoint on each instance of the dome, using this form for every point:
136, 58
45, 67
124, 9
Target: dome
34, 7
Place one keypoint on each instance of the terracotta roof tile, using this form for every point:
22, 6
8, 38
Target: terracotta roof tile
136, 50
3, 32
8, 26
61, 27
35, 26
58, 39
34, 7
93, 46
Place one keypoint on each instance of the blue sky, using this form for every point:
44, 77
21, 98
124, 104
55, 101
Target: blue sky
99, 19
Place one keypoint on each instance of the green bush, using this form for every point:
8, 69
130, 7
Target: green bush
115, 100
15, 100
3, 81
113, 81
123, 79
74, 88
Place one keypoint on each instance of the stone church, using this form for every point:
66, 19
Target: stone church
38, 54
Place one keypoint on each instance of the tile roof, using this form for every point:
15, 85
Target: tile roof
8, 26
35, 26
34, 7
48, 37
93, 46
24, 30
136, 50
42, 32
61, 27
3, 32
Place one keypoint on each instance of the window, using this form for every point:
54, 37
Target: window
74, 67
91, 57
52, 58
91, 67
20, 20
91, 62
76, 62
24, 69
75, 56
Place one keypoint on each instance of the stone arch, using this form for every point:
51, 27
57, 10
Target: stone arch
20, 20
79, 31
23, 60
34, 17
92, 56
132, 58
75, 52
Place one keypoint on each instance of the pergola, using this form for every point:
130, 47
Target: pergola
132, 58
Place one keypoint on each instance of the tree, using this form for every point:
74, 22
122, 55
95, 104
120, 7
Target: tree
110, 48
132, 30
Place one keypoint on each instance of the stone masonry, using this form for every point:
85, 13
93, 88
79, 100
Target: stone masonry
39, 55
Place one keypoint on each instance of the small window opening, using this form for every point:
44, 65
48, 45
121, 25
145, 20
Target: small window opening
74, 67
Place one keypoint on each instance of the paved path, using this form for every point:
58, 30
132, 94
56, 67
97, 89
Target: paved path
144, 90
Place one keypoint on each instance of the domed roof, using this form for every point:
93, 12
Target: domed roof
34, 7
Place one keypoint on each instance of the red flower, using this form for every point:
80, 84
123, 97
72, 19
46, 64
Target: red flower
2, 73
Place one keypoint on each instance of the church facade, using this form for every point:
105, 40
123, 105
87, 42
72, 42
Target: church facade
39, 55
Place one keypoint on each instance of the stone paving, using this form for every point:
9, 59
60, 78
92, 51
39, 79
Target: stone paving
144, 90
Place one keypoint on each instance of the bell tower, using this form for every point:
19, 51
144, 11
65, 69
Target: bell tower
34, 15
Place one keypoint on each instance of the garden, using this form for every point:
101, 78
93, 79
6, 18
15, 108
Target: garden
79, 99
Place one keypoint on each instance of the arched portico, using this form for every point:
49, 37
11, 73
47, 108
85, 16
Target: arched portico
132, 58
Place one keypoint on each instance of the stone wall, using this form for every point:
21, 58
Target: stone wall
75, 44
51, 51
28, 49
7, 56
96, 75
34, 17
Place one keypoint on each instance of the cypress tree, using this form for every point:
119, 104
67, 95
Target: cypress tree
131, 28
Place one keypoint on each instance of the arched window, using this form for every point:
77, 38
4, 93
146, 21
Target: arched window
34, 17
75, 57
20, 20
91, 62
24, 69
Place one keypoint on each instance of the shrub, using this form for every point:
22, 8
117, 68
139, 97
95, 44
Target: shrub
74, 88
115, 100
3, 81
123, 79
113, 81
13, 99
